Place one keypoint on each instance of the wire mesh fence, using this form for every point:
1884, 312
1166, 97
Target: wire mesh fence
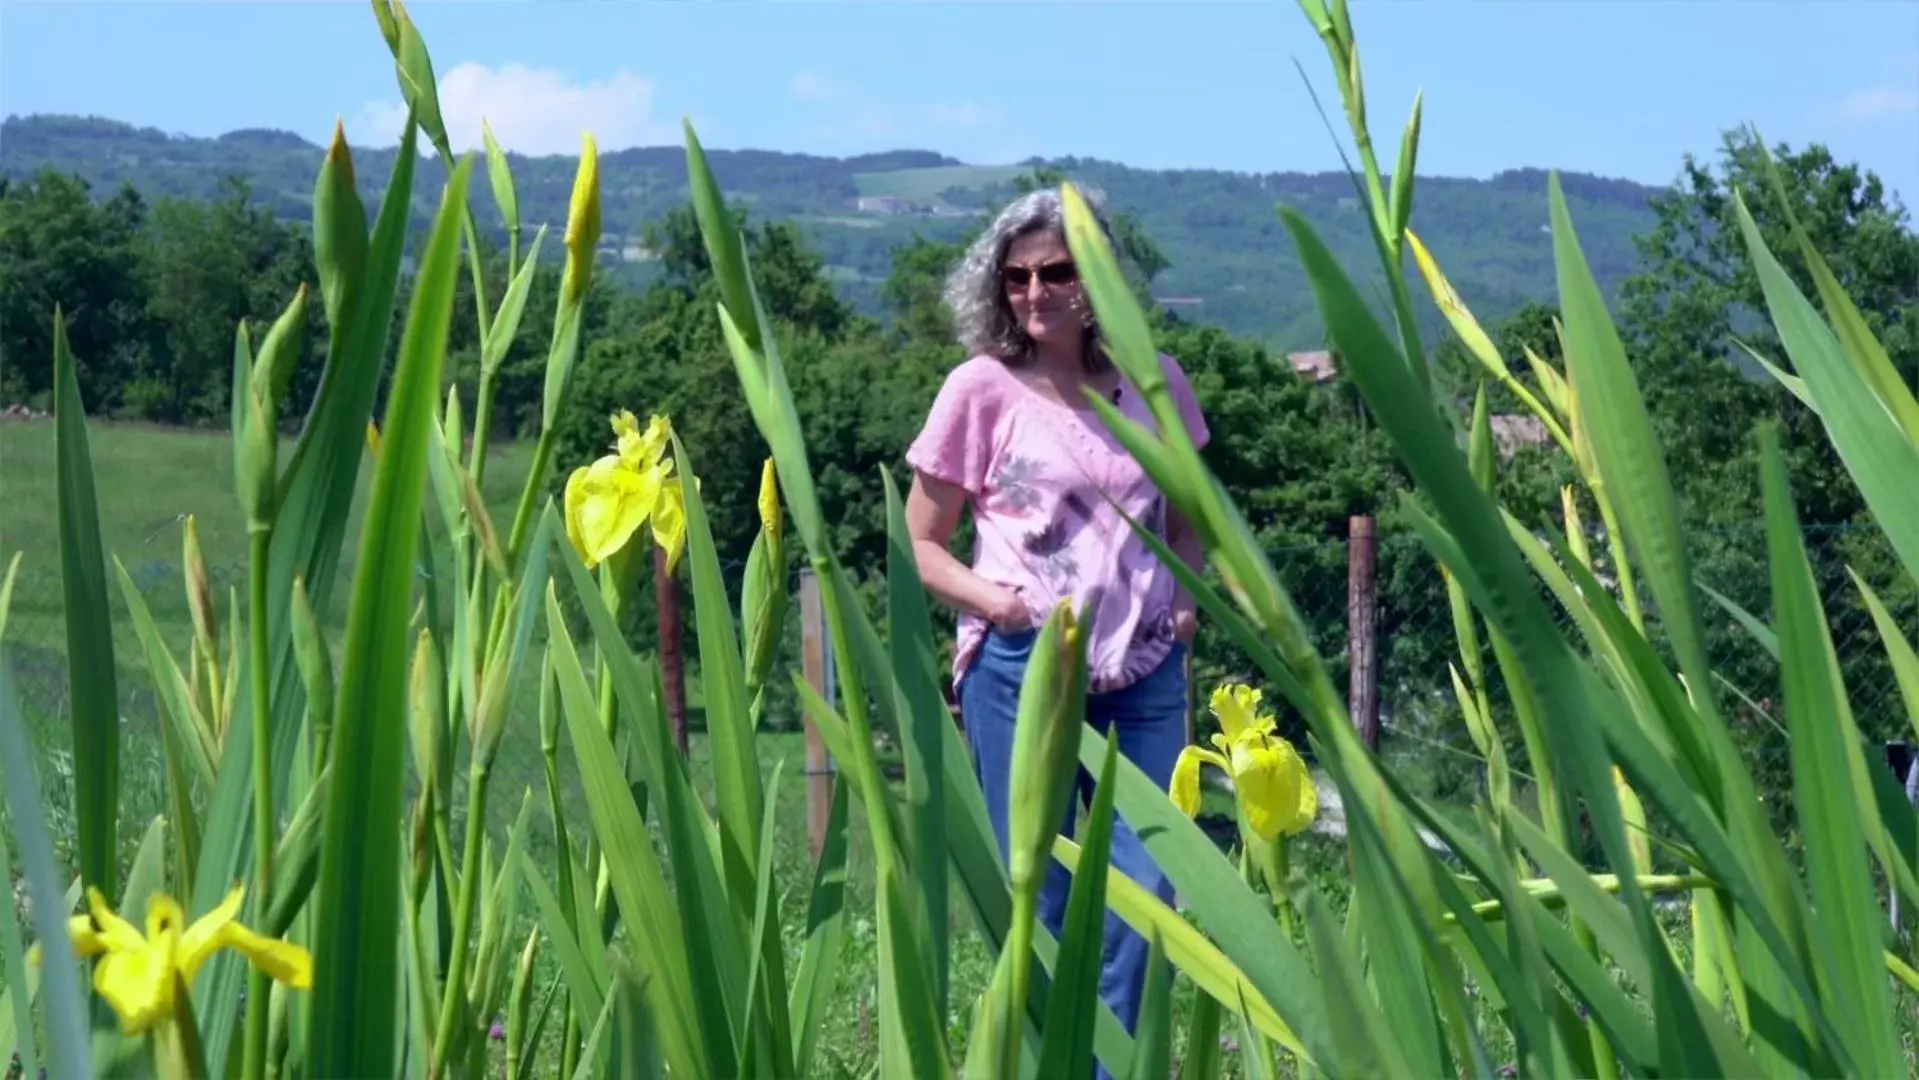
1413, 633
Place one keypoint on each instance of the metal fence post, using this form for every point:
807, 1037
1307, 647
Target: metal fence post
1363, 686
816, 663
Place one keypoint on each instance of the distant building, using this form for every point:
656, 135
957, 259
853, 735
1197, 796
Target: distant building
1512, 431
1317, 366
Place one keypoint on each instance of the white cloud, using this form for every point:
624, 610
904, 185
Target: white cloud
814, 86
1880, 102
533, 111
1896, 97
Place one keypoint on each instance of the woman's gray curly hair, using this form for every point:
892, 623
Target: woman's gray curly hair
982, 317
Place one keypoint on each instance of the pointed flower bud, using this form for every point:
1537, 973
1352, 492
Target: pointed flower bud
582, 224
1046, 737
206, 624
519, 1003
769, 500
426, 720
763, 593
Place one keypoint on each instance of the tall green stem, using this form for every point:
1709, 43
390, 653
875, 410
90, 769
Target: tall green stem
1019, 951
1622, 568
609, 722
550, 751
452, 992
523, 516
482, 420
260, 537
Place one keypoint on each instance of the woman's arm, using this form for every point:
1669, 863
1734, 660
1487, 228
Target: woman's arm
932, 514
1184, 540
1180, 534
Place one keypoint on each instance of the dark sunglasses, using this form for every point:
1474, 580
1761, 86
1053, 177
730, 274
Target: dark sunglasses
1056, 273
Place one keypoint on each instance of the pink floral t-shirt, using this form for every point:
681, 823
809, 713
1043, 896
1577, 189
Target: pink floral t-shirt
1040, 474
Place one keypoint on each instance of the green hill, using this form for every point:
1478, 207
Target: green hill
1232, 264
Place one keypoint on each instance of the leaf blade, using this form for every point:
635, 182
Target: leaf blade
1848, 959
354, 1028
91, 687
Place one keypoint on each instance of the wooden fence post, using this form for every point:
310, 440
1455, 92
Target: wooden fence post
816, 655
666, 595
1363, 688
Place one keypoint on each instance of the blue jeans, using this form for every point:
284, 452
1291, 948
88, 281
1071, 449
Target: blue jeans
1149, 718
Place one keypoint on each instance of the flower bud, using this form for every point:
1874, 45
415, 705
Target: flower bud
254, 447
452, 424
487, 719
426, 720
1046, 737
280, 355
418, 87
582, 224
339, 226
763, 596
316, 669
1575, 528
206, 625
520, 1002
1479, 444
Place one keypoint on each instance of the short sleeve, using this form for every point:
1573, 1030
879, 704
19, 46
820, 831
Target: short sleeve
1182, 389
956, 442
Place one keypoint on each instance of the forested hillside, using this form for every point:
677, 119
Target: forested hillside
1218, 230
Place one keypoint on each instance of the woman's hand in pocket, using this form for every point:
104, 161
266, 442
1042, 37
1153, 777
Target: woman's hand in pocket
1008, 612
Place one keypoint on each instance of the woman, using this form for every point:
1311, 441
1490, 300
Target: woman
1012, 438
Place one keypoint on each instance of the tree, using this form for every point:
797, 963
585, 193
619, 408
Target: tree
208, 266
1685, 315
912, 291
1697, 298
60, 248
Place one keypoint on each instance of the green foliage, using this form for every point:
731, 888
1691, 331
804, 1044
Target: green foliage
59, 247
1697, 300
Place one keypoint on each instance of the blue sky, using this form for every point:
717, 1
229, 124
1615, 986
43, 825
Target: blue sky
1616, 87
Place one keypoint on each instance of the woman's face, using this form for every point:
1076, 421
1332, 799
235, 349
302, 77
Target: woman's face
1042, 286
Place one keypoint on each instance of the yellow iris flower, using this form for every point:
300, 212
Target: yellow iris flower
608, 501
138, 975
1275, 791
641, 449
